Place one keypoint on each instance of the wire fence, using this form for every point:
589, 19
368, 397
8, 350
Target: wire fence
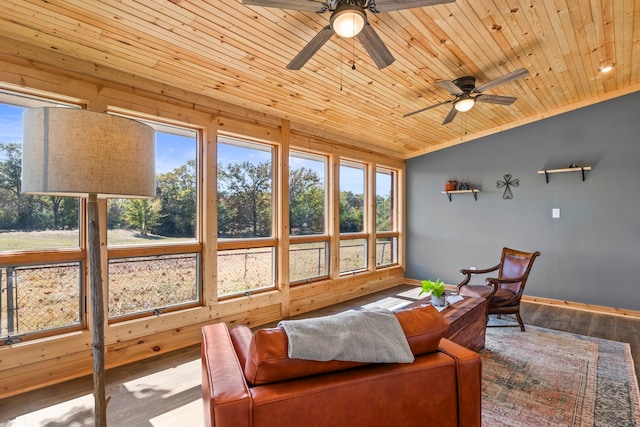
43, 297
308, 263
248, 270
152, 283
37, 298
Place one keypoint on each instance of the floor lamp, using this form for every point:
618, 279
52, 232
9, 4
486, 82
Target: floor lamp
80, 153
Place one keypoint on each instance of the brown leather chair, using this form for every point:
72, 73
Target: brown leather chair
505, 291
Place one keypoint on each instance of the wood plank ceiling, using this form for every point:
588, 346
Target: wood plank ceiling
237, 54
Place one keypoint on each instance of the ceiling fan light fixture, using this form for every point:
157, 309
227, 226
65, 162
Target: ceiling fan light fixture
465, 103
605, 68
348, 20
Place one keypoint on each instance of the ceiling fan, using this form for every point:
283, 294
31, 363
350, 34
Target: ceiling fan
467, 93
348, 19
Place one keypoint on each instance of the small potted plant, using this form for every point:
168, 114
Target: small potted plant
436, 290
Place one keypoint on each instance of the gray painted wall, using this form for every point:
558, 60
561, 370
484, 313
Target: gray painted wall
591, 254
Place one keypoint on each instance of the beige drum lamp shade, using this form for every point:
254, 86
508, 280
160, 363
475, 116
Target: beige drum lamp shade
73, 152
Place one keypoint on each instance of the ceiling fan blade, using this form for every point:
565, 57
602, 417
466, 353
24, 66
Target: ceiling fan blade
521, 72
310, 49
390, 5
427, 108
496, 99
375, 47
303, 5
450, 116
450, 87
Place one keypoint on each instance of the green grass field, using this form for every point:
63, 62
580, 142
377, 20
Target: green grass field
64, 239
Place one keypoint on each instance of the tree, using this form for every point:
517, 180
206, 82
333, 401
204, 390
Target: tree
383, 213
56, 207
176, 191
306, 202
142, 214
351, 212
116, 212
69, 217
244, 190
10, 182
28, 212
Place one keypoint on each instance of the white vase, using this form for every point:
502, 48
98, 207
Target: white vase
439, 302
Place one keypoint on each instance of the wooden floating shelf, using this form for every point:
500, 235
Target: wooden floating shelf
474, 191
546, 172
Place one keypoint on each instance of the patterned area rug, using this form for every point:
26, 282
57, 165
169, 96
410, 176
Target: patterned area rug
549, 378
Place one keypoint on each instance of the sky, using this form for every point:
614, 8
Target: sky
173, 151
10, 123
351, 178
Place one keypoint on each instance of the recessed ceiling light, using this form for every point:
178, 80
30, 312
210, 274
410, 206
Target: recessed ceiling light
605, 68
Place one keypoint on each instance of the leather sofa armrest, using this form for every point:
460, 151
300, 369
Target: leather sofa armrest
225, 392
469, 379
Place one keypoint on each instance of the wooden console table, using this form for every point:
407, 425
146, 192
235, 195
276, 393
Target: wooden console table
467, 321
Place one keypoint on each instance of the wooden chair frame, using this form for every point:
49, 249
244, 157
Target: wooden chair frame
512, 306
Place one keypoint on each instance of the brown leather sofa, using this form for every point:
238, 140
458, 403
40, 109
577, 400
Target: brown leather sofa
249, 380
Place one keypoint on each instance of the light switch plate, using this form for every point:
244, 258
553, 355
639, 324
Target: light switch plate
555, 213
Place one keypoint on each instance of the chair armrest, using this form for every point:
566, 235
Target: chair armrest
468, 274
486, 270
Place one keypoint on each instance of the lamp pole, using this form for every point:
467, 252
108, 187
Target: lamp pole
97, 312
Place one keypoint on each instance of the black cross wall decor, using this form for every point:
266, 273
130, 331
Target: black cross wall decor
507, 184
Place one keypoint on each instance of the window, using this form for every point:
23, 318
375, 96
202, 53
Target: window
170, 217
154, 251
386, 213
385, 202
40, 297
353, 255
152, 283
41, 255
307, 194
154, 246
246, 244
309, 241
353, 240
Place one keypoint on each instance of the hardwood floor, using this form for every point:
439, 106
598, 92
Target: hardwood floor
162, 391
165, 390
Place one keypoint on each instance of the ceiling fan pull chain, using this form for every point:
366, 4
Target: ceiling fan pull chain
341, 61
353, 53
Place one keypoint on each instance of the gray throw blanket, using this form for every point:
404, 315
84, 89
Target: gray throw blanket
372, 336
